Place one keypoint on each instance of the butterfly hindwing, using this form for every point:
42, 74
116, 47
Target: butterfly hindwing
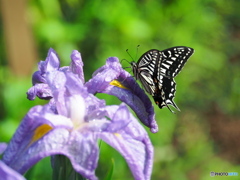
165, 94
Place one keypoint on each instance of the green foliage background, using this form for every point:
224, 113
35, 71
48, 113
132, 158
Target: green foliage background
204, 136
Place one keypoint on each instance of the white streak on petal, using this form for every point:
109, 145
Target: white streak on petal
77, 110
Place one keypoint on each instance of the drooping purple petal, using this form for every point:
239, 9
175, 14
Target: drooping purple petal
136, 98
132, 142
125, 88
25, 150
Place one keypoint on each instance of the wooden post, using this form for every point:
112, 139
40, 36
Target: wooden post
20, 46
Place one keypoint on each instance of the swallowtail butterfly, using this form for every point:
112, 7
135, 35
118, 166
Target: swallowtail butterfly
156, 71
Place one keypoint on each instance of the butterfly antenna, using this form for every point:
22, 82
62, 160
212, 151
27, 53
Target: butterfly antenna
129, 54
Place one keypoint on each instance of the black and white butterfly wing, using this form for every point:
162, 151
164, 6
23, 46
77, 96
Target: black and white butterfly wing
164, 96
156, 70
144, 70
173, 60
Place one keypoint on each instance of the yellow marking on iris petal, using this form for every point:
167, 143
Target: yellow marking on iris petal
40, 132
117, 134
118, 84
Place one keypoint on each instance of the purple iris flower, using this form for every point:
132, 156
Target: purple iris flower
72, 122
110, 79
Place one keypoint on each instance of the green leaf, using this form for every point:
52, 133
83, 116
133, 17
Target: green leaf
110, 172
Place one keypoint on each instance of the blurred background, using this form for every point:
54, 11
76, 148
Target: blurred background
203, 137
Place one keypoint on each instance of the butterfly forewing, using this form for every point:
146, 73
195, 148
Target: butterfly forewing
156, 70
173, 60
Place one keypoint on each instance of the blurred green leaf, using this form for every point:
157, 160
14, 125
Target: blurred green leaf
110, 172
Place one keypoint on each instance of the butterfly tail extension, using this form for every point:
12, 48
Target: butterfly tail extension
162, 102
172, 103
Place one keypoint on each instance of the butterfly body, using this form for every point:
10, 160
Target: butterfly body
156, 71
